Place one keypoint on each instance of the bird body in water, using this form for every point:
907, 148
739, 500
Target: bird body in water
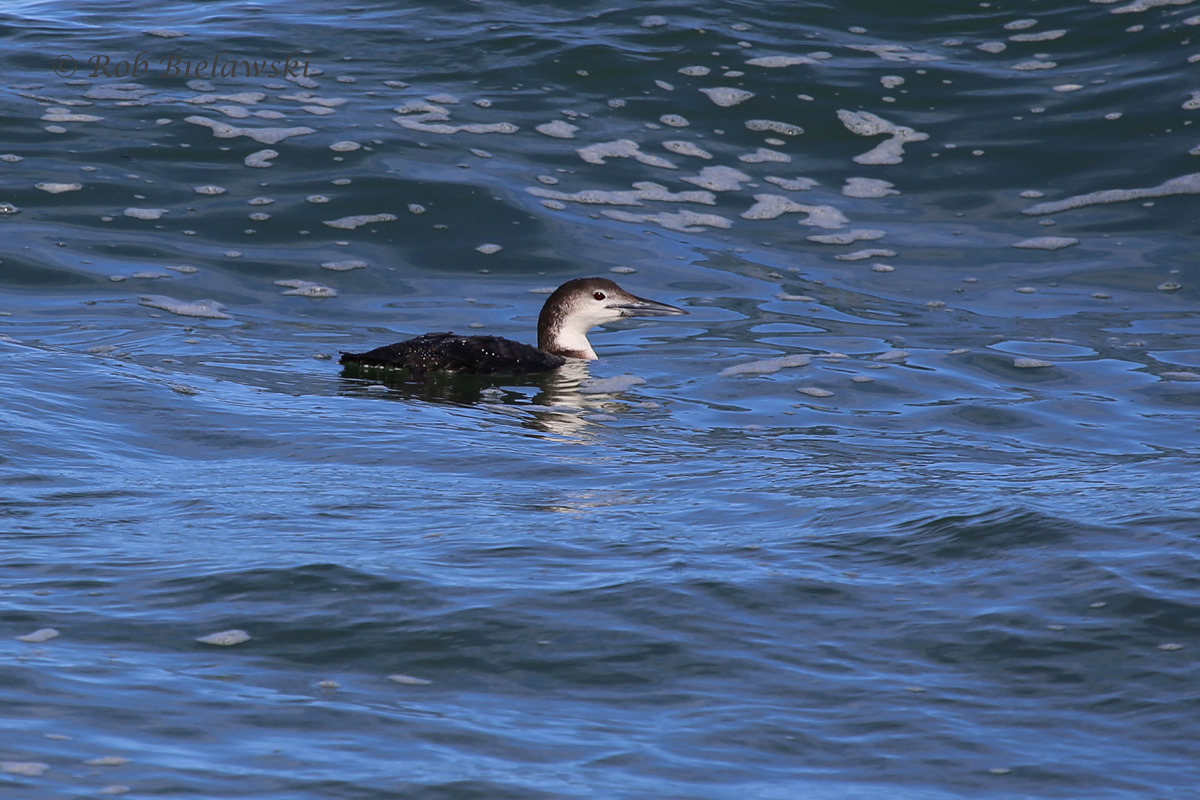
569, 313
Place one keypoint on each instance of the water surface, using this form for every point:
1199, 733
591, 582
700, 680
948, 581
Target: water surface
904, 508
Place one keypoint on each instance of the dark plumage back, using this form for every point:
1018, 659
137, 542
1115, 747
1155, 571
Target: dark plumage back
480, 355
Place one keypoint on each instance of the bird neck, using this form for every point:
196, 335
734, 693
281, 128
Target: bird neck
570, 344
557, 336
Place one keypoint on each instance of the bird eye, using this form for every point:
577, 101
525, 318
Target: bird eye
598, 295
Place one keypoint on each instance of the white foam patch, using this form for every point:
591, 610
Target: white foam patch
674, 120
791, 184
1046, 243
225, 638
39, 636
770, 206
785, 128
683, 221
245, 98
865, 188
1145, 5
643, 190
222, 130
408, 680
687, 149
358, 220
847, 237
260, 159
310, 101
63, 115
1034, 64
992, 47
126, 93
776, 62
813, 391
824, 216
58, 188
343, 266
131, 93
26, 769
767, 366
431, 118
488, 249
718, 179
345, 146
107, 761
299, 288
891, 151
1185, 184
207, 309
145, 213
1031, 363
618, 383
218, 101
558, 129
209, 189
763, 155
621, 148
235, 112
1043, 36
725, 96
695, 72
862, 255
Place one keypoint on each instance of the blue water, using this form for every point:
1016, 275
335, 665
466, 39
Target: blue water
953, 555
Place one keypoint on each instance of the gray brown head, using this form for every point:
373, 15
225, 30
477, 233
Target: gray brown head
580, 305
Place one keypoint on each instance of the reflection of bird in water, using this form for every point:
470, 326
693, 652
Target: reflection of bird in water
574, 309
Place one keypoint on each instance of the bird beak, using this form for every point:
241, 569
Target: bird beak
641, 307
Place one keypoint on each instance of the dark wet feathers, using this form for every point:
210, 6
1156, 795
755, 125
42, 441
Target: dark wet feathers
447, 352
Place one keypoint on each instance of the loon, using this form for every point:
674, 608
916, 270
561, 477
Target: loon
569, 313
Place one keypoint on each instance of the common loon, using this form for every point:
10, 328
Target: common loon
569, 313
